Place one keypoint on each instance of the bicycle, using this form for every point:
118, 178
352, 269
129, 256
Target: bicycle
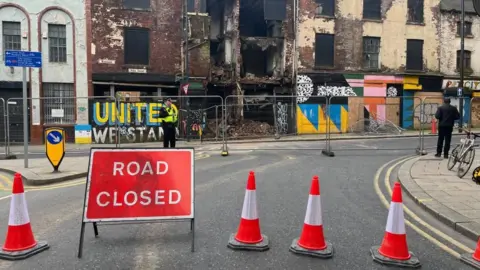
466, 148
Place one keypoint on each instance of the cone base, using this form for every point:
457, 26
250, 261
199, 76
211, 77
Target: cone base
21, 255
413, 262
328, 153
235, 245
324, 254
468, 259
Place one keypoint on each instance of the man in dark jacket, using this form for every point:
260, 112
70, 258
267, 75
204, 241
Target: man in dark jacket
446, 115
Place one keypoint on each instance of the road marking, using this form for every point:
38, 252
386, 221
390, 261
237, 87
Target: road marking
7, 180
384, 201
418, 219
6, 197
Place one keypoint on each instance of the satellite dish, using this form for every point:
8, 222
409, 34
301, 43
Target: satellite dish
476, 6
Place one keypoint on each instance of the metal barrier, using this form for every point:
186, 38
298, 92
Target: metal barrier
60, 111
3, 126
198, 118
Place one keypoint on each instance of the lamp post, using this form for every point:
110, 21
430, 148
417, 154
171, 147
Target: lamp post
462, 63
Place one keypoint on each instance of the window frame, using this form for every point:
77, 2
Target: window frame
367, 63
331, 12
331, 61
422, 42
126, 49
468, 28
467, 56
130, 4
57, 45
12, 35
59, 96
412, 9
378, 13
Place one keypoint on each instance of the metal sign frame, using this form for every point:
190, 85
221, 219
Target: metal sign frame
119, 221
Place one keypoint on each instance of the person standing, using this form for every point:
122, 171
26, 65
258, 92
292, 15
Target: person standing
446, 115
169, 125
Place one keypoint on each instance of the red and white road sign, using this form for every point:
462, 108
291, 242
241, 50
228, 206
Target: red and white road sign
140, 184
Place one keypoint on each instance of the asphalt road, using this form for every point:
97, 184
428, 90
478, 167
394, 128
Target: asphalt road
354, 216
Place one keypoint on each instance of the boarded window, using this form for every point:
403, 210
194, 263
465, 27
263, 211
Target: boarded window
275, 10
415, 11
372, 9
467, 59
134, 4
12, 40
57, 43
59, 103
325, 7
414, 54
137, 46
371, 52
324, 50
468, 28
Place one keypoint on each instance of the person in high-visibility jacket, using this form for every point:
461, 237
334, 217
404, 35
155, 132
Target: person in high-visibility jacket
169, 124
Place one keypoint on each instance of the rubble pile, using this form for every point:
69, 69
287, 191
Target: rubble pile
248, 128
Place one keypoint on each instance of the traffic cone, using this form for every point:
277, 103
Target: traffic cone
434, 127
312, 241
473, 259
20, 242
394, 248
248, 236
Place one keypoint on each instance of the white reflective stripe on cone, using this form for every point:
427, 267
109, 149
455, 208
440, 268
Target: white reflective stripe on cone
396, 213
314, 211
249, 210
18, 210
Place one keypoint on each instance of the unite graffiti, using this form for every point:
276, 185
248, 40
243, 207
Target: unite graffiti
130, 122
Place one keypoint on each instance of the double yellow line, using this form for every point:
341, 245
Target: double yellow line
412, 215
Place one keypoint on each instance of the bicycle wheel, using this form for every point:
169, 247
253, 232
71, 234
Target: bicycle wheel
453, 158
466, 162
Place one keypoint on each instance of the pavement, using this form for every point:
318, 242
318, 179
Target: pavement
353, 216
454, 201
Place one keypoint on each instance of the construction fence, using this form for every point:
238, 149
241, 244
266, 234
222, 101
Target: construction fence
115, 121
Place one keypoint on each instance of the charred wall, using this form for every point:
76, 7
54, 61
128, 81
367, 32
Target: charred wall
109, 18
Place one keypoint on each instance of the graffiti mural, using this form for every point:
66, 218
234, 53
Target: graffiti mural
126, 122
282, 118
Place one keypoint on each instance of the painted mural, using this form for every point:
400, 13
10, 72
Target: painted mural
137, 122
359, 103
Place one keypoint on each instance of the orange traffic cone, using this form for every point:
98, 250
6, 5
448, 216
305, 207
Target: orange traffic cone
20, 242
394, 248
248, 236
473, 259
312, 241
434, 126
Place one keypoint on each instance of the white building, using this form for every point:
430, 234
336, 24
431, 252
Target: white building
57, 29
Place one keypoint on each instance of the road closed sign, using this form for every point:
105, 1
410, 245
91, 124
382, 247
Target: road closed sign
139, 184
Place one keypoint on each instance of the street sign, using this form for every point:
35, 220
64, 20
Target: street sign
135, 185
23, 59
55, 146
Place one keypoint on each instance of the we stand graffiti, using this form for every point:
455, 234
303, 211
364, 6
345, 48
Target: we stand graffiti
126, 122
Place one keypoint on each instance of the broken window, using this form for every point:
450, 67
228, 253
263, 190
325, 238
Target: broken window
372, 9
468, 28
256, 16
261, 57
133, 4
324, 50
275, 10
415, 11
467, 59
371, 52
414, 54
136, 46
325, 7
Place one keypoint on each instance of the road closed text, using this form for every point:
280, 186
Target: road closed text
145, 198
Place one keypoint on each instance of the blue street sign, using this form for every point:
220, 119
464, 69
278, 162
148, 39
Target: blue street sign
23, 59
54, 137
